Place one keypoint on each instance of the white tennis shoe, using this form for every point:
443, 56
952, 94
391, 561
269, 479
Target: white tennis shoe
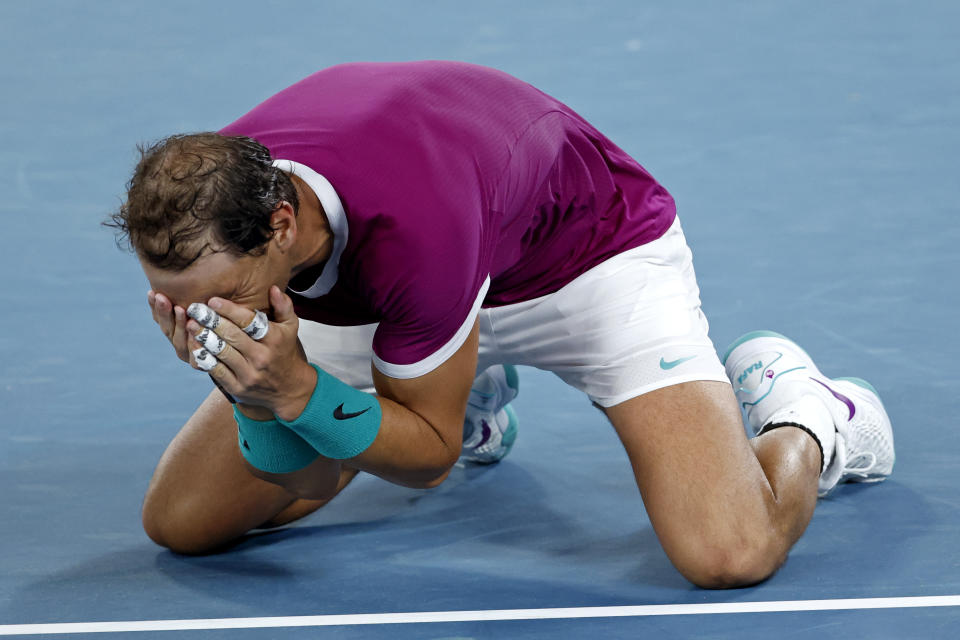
769, 372
490, 427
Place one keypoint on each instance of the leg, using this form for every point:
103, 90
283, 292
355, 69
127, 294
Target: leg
201, 495
725, 512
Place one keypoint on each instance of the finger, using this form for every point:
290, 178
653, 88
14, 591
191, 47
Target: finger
241, 364
210, 341
229, 345
165, 315
219, 372
204, 360
180, 336
204, 315
282, 306
238, 315
258, 327
234, 316
152, 302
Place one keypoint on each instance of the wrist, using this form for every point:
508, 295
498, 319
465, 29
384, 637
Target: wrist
338, 421
296, 401
254, 412
269, 446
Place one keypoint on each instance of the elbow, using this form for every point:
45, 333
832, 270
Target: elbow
420, 479
437, 480
442, 471
429, 476
432, 473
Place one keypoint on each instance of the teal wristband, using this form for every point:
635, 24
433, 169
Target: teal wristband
270, 446
339, 421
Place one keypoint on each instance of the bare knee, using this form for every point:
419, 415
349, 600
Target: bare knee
171, 534
718, 564
174, 524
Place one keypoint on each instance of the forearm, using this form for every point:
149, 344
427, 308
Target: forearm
422, 425
410, 453
374, 433
409, 433
409, 450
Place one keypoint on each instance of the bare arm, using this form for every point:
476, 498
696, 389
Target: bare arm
422, 428
420, 431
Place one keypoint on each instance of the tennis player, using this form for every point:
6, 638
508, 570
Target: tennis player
360, 260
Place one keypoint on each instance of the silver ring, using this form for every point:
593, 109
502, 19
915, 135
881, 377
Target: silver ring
258, 327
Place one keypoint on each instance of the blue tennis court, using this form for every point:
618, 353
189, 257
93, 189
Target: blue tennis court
812, 151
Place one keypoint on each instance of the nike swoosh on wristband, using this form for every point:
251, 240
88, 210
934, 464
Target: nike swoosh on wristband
673, 363
338, 413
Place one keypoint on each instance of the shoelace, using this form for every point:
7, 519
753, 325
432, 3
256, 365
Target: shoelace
854, 468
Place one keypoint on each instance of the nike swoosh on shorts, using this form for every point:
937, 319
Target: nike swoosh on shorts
673, 363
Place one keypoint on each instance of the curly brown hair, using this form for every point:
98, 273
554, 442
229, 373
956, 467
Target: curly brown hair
191, 194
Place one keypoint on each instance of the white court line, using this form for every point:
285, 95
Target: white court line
479, 616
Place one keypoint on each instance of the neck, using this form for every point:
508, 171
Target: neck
314, 237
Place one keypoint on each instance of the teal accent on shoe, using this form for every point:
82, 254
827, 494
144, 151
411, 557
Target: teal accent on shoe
513, 377
772, 382
759, 334
860, 382
510, 435
749, 336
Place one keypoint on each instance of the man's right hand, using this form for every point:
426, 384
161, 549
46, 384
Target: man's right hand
173, 322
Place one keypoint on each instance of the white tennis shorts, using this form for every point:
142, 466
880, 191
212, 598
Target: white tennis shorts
626, 327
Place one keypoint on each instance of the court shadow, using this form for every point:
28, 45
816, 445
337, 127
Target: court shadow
871, 535
500, 537
504, 531
496, 530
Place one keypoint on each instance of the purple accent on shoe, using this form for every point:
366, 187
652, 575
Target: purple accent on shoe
769, 374
485, 434
842, 398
